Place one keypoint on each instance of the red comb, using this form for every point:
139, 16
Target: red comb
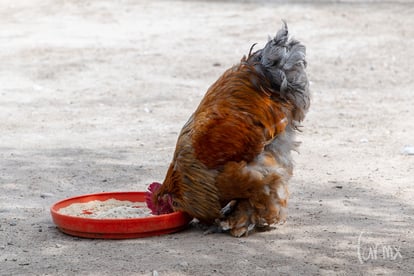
163, 204
152, 188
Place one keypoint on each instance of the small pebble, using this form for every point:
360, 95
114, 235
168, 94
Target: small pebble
45, 195
364, 140
408, 150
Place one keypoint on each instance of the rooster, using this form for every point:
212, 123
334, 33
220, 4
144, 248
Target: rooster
232, 161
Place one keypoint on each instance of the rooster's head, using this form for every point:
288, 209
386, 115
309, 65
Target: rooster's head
159, 204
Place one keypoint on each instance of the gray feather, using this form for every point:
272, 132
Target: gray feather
284, 60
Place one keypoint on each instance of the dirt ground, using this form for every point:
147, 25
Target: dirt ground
94, 93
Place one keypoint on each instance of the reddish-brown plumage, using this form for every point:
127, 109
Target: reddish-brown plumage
236, 146
235, 118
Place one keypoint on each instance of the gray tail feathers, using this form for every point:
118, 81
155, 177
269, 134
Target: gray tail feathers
284, 61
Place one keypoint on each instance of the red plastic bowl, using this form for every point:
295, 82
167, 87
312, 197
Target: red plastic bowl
125, 228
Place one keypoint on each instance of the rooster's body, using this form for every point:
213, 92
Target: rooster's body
233, 160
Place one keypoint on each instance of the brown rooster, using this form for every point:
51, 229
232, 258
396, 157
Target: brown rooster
232, 160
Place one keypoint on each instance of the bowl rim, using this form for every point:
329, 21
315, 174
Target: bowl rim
116, 228
54, 209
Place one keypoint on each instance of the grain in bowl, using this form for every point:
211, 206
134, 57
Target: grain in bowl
107, 209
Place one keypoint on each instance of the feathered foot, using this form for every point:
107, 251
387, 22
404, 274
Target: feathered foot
240, 221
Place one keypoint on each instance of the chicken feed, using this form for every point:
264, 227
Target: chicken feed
108, 209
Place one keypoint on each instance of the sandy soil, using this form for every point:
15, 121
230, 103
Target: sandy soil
94, 93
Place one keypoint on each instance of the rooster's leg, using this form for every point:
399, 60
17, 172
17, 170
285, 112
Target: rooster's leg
237, 222
241, 221
220, 226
